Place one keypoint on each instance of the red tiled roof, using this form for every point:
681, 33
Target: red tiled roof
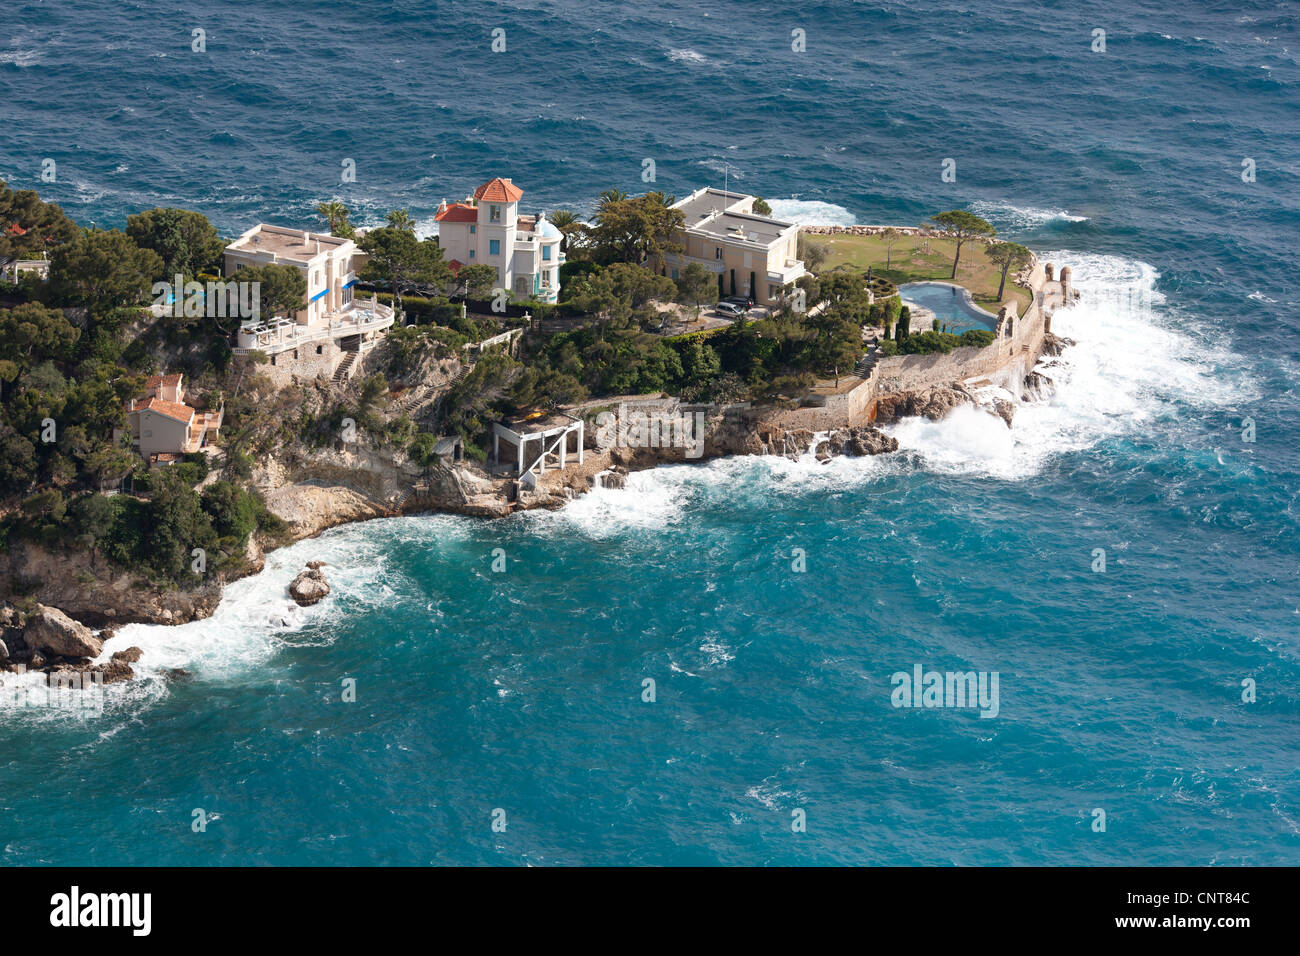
457, 212
455, 265
176, 410
156, 381
16, 230
499, 190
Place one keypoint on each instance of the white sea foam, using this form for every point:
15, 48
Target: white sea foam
1134, 363
1021, 217
724, 168
686, 56
811, 212
257, 617
20, 57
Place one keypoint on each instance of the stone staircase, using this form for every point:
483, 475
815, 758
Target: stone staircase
345, 367
867, 363
463, 371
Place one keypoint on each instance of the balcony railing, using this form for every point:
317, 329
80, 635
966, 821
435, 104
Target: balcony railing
280, 335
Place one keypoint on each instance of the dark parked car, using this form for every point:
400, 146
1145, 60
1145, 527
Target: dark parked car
744, 301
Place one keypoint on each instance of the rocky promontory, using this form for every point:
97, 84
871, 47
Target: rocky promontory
47, 640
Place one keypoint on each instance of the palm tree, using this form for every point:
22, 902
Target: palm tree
607, 198
336, 214
401, 219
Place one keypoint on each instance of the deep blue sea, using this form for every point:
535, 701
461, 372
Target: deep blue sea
972, 549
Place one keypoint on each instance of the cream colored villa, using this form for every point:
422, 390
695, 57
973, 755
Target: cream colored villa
163, 427
751, 254
331, 320
486, 229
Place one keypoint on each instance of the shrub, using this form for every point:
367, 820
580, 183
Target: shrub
929, 342
979, 338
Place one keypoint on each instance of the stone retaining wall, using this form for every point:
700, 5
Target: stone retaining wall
1010, 357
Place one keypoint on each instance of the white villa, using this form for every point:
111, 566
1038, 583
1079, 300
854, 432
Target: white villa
751, 254
486, 229
331, 320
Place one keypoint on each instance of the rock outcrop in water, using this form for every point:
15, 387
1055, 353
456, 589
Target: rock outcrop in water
47, 640
54, 634
1005, 410
857, 442
932, 403
310, 586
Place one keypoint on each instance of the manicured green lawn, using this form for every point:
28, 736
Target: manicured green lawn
911, 263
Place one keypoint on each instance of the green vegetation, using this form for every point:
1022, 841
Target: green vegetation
29, 227
961, 227
629, 229
401, 260
918, 259
185, 241
102, 271
1008, 255
336, 215
68, 366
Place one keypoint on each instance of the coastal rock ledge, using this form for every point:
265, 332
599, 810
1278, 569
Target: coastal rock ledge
53, 632
310, 586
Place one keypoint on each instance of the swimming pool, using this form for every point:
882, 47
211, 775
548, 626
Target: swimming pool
951, 303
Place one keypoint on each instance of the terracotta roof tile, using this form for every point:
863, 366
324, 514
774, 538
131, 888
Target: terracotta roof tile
176, 410
457, 212
499, 190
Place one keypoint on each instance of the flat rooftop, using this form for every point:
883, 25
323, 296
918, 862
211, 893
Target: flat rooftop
294, 245
530, 425
714, 212
707, 202
739, 226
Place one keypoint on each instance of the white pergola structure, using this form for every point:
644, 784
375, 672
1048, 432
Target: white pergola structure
536, 444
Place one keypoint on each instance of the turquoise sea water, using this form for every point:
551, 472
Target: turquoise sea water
972, 549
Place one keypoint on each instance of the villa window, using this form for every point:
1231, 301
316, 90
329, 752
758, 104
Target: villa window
717, 253
494, 213
473, 229
546, 253
471, 253
674, 275
494, 247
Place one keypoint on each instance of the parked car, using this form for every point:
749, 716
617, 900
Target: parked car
730, 309
744, 301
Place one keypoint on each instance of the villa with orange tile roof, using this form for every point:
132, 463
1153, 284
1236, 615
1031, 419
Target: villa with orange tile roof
163, 427
487, 229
